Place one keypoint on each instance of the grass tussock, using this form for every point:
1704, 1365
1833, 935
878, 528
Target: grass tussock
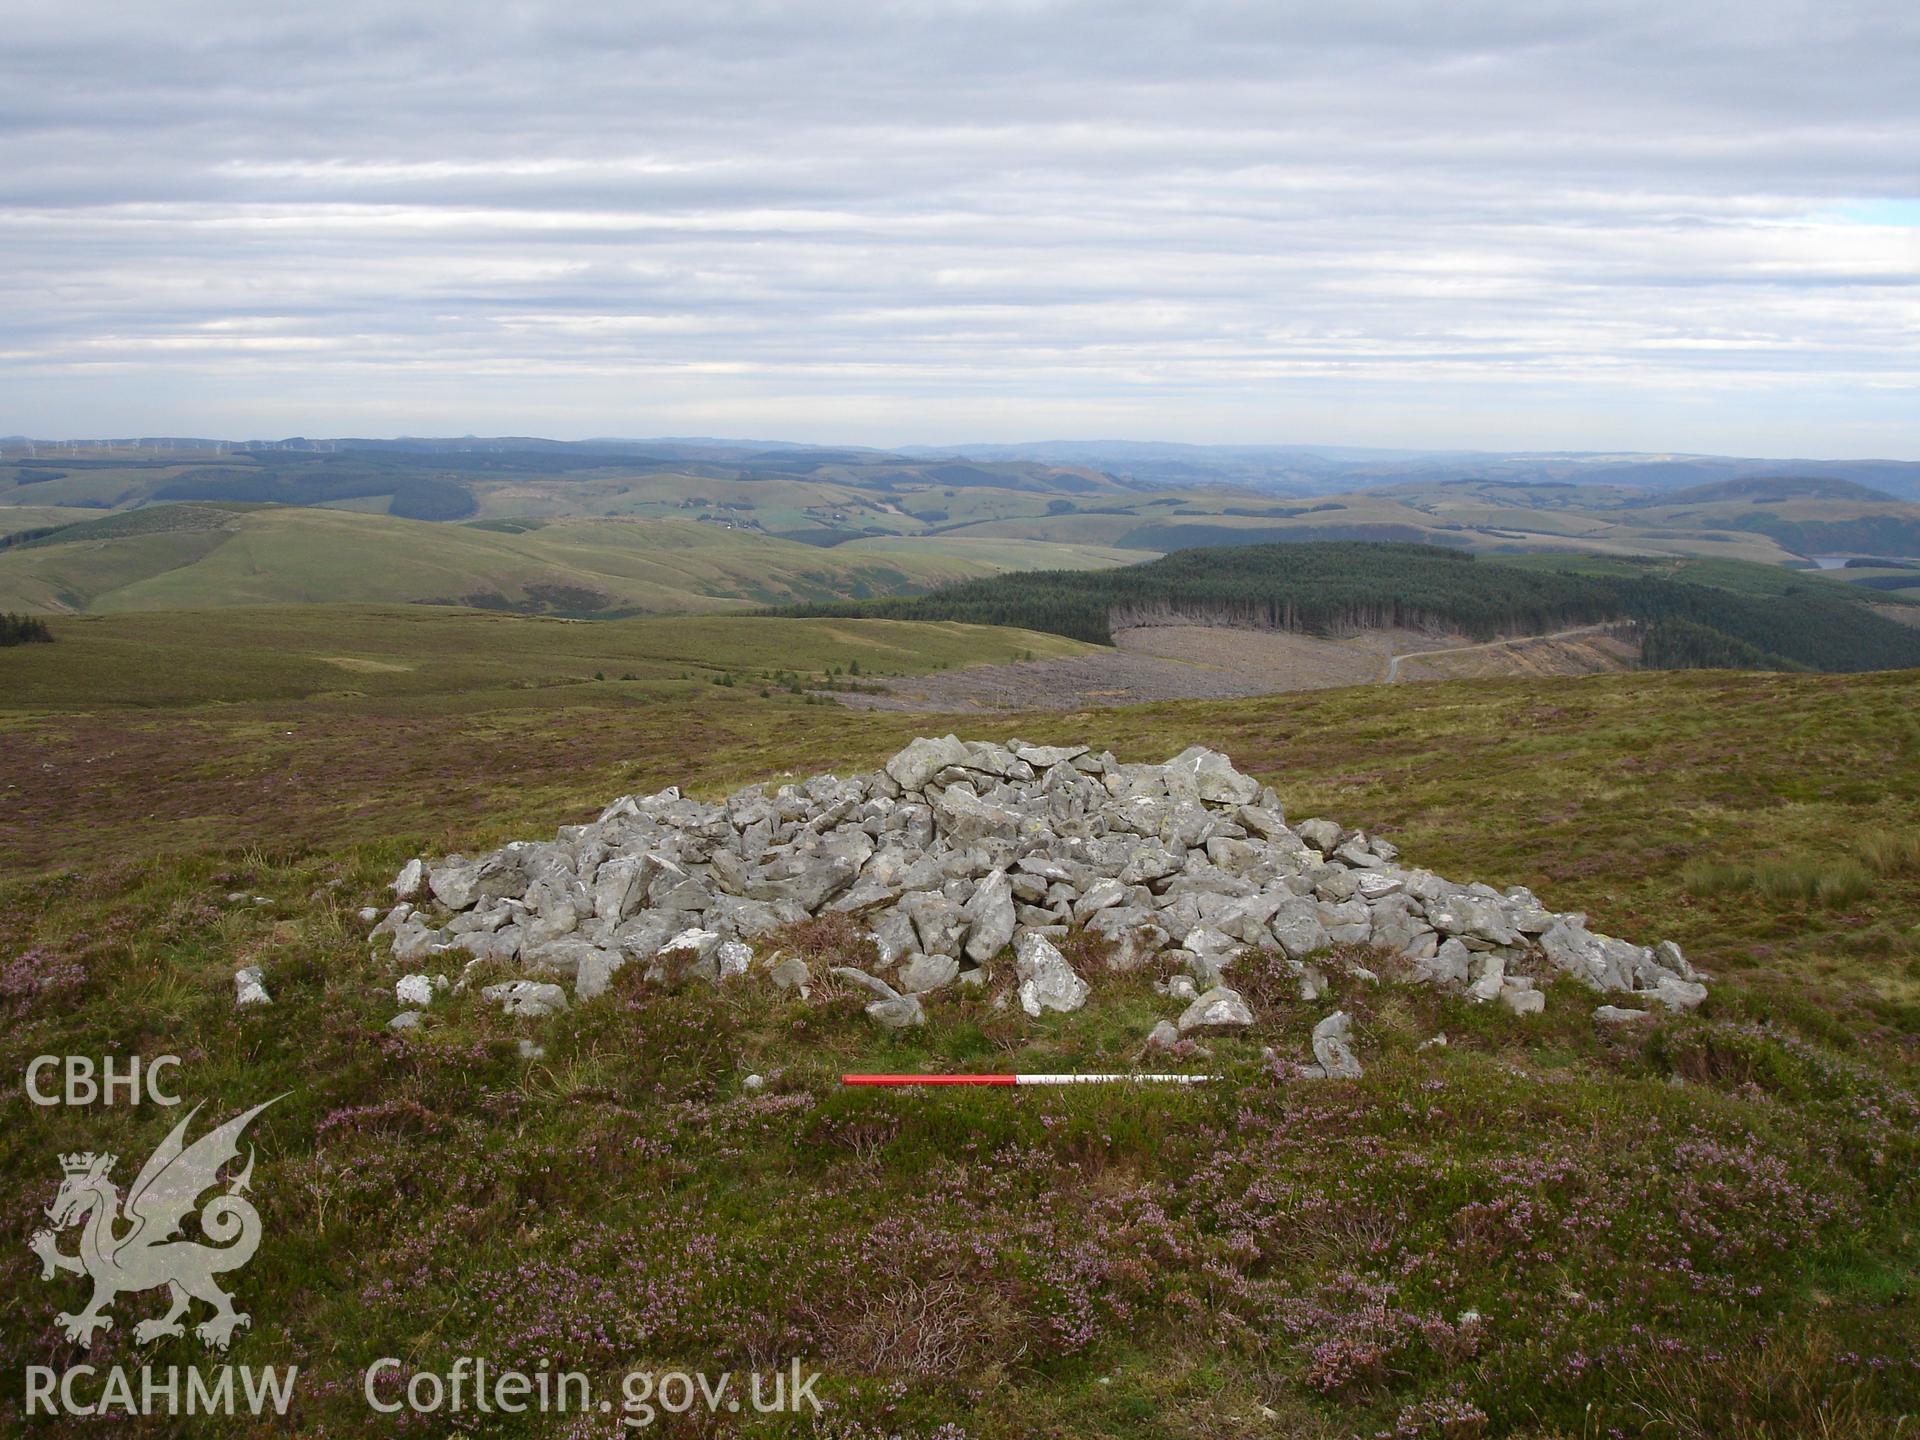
1891, 852
1832, 884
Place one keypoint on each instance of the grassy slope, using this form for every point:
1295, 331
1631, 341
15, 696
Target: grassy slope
14, 518
1443, 518
353, 653
267, 556
1709, 1231
1001, 554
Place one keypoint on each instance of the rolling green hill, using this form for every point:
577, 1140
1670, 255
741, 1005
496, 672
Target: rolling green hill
1691, 613
191, 556
514, 524
831, 498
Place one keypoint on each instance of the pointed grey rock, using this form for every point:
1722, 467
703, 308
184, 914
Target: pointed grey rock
1047, 981
989, 916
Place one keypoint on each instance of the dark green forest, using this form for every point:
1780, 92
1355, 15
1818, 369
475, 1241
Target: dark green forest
1335, 588
415, 497
23, 630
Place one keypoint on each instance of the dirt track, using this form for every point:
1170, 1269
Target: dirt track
1182, 662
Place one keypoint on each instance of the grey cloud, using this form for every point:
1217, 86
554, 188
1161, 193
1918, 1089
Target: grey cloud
894, 222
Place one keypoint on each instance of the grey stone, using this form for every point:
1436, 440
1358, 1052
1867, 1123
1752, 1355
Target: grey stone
568, 956
989, 916
1045, 757
619, 887
527, 998
807, 881
1488, 973
899, 1013
788, 972
1210, 944
1213, 776
1331, 1050
452, 882
1357, 853
406, 885
922, 759
1298, 929
1047, 981
1568, 944
700, 942
1619, 1015
922, 973
250, 988
937, 922
1347, 923
1523, 1002
1135, 942
413, 940
1100, 895
732, 959
1322, 835
1218, 1009
853, 975
1450, 964
405, 1020
1163, 1036
1667, 955
966, 817
1377, 885
1268, 823
1472, 917
1678, 994
594, 971
641, 937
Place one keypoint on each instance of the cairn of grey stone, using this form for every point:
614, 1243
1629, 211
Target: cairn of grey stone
250, 987
960, 860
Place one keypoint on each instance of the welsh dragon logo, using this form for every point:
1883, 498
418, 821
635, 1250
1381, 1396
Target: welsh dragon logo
132, 1246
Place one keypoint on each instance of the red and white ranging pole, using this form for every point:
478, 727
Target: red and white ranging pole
1058, 1079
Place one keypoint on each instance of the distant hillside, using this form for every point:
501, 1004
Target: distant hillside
1768, 489
1773, 620
1146, 498
192, 556
1305, 470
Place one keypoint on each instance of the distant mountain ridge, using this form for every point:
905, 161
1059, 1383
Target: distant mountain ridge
1292, 470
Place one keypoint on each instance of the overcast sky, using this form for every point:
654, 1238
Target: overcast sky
1509, 224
